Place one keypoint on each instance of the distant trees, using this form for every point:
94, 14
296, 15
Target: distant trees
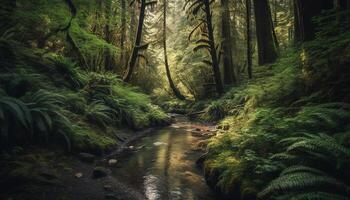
267, 48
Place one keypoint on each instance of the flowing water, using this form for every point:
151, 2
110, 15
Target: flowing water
164, 166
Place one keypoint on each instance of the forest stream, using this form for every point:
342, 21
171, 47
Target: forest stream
165, 166
88, 89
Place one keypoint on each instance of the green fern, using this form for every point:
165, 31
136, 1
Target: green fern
301, 168
329, 115
310, 180
12, 108
302, 181
321, 143
313, 196
99, 113
68, 69
41, 116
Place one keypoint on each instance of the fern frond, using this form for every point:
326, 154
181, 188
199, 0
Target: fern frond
313, 196
301, 181
301, 168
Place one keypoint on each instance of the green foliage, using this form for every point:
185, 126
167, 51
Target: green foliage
280, 82
277, 133
46, 98
40, 116
69, 71
313, 196
97, 112
215, 111
326, 59
315, 177
91, 48
130, 107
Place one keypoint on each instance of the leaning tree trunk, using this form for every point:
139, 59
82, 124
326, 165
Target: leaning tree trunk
168, 74
213, 53
229, 71
135, 50
266, 44
273, 24
249, 39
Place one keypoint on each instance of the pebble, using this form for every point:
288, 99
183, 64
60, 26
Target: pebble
112, 162
78, 175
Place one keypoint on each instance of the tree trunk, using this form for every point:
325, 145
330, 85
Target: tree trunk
342, 4
123, 32
267, 49
273, 24
297, 31
168, 74
275, 12
135, 50
249, 39
306, 10
108, 38
132, 23
229, 71
213, 53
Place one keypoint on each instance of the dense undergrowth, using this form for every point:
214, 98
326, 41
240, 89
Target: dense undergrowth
47, 98
280, 139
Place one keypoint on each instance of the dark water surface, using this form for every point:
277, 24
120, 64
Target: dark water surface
164, 168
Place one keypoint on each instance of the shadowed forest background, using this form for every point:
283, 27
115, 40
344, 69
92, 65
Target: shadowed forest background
82, 79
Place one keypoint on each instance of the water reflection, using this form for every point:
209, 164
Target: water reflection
151, 190
165, 168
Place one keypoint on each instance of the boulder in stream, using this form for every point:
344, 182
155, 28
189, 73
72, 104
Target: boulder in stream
100, 172
86, 157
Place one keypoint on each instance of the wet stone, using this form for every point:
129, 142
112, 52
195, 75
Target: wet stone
78, 175
86, 157
107, 187
112, 162
99, 172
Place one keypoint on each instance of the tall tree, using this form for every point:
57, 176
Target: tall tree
108, 35
138, 38
267, 49
123, 32
305, 11
166, 63
297, 32
249, 38
229, 70
273, 24
207, 40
